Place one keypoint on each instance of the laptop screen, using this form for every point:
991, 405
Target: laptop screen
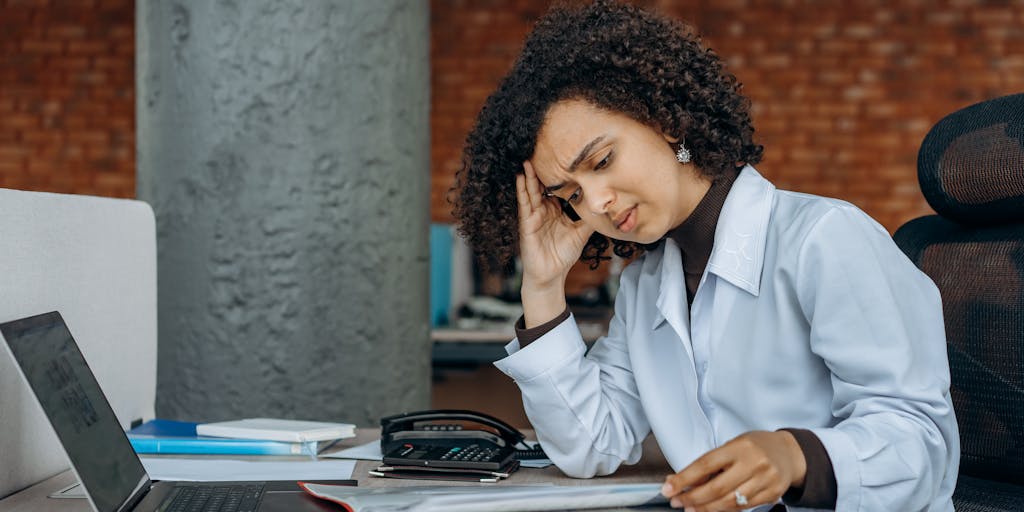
66, 388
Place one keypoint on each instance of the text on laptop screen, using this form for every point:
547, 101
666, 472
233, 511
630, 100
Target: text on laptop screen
76, 407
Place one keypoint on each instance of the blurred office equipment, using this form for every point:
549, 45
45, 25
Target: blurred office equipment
451, 273
971, 171
473, 311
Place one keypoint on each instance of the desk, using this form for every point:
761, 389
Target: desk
652, 468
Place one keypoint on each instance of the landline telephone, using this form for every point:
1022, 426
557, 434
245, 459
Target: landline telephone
452, 441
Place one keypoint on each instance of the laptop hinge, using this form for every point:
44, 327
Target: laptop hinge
137, 495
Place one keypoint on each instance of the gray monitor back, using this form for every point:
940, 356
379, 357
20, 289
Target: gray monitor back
94, 260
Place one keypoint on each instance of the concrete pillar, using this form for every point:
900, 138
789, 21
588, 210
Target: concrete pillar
284, 146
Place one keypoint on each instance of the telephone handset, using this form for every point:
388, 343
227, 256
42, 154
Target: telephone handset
452, 438
568, 209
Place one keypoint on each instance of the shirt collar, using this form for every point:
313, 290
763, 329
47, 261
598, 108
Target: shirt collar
738, 253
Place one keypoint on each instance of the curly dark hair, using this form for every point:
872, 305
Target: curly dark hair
619, 58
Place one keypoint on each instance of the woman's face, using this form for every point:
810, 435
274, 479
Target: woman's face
621, 176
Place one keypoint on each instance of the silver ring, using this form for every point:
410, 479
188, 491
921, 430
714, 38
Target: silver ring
741, 500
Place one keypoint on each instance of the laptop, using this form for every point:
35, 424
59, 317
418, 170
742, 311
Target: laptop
101, 456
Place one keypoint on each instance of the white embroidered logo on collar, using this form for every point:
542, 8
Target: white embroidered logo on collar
742, 242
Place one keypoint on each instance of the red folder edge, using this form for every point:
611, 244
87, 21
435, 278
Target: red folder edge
322, 497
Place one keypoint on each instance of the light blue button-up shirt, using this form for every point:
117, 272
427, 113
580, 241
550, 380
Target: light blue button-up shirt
807, 316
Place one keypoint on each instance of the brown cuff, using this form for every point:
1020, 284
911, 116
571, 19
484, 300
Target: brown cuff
819, 490
527, 336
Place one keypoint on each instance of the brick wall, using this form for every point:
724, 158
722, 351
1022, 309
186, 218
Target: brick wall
67, 107
843, 92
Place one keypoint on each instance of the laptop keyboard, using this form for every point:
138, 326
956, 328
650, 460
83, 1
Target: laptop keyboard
209, 498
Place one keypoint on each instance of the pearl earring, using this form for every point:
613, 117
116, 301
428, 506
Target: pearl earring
683, 155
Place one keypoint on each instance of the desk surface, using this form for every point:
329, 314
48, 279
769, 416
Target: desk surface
652, 468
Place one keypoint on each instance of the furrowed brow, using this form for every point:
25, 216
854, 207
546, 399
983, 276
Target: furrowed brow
583, 155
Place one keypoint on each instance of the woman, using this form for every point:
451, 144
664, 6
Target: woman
778, 345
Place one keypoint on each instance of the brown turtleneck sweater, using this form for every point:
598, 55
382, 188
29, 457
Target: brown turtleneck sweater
695, 238
696, 235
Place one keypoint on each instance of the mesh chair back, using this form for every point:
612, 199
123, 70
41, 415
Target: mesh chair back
971, 169
971, 163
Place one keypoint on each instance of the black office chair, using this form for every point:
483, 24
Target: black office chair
971, 170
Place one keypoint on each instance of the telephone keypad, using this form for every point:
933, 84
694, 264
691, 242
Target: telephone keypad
471, 453
446, 455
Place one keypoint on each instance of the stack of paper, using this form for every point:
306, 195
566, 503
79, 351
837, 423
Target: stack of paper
271, 429
505, 498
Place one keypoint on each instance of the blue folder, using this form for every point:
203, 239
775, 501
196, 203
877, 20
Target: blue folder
167, 436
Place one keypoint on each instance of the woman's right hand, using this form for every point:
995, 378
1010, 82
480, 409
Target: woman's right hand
549, 244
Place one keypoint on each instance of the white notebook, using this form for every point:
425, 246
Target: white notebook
277, 430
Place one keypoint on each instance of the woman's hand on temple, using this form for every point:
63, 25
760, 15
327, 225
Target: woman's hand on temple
549, 244
753, 469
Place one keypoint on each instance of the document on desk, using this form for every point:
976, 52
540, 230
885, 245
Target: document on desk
368, 451
521, 498
212, 470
